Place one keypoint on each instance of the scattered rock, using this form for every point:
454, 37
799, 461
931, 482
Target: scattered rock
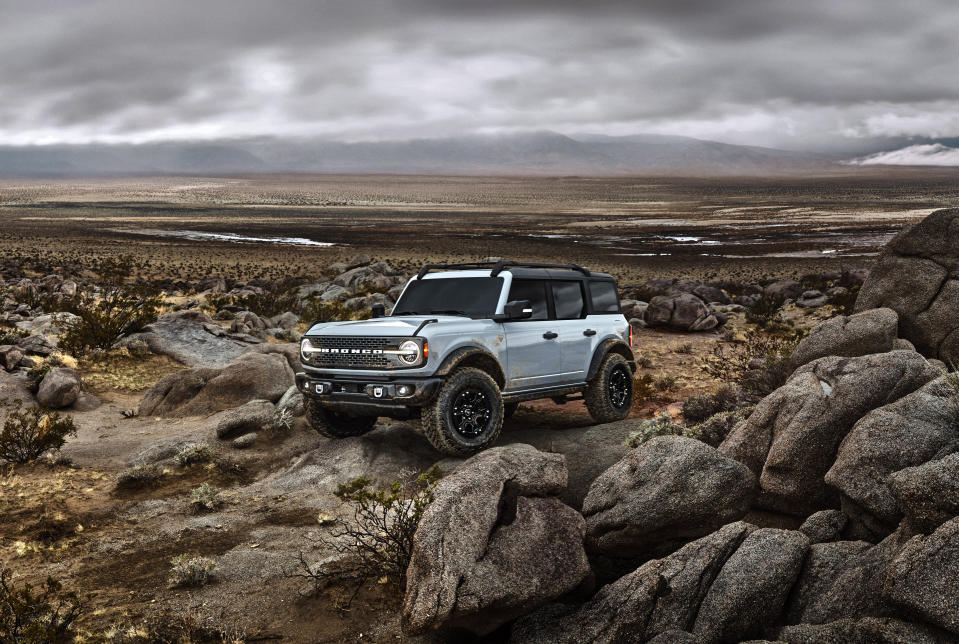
791, 439
812, 299
906, 433
660, 596
683, 312
824, 526
10, 356
191, 338
59, 388
48, 324
868, 332
747, 596
251, 417
923, 579
664, 493
245, 441
494, 544
790, 289
917, 275
200, 391
39, 345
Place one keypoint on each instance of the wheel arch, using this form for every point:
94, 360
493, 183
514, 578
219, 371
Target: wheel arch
473, 357
607, 346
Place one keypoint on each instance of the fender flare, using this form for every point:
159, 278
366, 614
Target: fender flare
610, 345
473, 356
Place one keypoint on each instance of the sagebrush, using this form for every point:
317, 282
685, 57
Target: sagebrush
189, 570
44, 615
29, 433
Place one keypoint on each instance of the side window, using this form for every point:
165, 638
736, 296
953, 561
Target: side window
535, 292
604, 297
568, 300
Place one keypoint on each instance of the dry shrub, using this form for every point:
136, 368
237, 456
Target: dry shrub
187, 570
766, 310
662, 425
45, 615
29, 433
205, 498
759, 365
696, 409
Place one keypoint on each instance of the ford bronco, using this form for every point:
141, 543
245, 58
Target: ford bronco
464, 345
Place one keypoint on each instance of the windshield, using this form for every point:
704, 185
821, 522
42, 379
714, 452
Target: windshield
474, 297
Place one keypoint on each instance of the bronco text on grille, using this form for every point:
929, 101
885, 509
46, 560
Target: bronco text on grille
350, 353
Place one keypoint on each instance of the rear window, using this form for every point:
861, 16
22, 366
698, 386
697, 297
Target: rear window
604, 297
473, 296
568, 300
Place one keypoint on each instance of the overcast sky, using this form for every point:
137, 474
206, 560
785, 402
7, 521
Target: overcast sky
764, 72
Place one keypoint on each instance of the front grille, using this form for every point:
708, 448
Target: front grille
359, 356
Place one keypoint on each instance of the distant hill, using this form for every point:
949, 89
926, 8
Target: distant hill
537, 153
927, 154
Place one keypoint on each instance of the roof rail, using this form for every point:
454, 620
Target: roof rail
499, 267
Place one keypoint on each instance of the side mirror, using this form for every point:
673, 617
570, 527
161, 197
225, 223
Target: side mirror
518, 310
379, 310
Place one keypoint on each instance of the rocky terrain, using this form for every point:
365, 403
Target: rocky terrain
827, 510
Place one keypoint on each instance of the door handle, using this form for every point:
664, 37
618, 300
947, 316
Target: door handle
549, 335
589, 333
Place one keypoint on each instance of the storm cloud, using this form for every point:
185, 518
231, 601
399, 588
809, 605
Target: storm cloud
765, 72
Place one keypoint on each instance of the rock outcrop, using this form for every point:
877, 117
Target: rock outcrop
684, 312
494, 544
191, 338
862, 334
917, 276
666, 492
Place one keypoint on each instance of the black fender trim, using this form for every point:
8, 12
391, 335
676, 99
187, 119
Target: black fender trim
473, 357
605, 347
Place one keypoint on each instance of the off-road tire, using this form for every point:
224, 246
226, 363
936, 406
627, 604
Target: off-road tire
336, 425
438, 420
599, 399
509, 409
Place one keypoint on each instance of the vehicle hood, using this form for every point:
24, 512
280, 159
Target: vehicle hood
398, 326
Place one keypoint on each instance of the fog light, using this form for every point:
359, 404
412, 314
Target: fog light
404, 390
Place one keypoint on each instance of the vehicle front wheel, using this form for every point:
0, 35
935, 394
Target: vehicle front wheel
609, 395
336, 424
467, 415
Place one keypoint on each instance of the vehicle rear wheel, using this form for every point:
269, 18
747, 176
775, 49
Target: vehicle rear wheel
467, 415
609, 395
336, 424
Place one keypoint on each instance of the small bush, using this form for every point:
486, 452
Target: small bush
281, 422
28, 433
760, 365
122, 308
193, 454
269, 303
140, 476
379, 539
186, 570
12, 335
714, 429
696, 409
205, 498
643, 388
766, 310
685, 349
43, 616
645, 362
667, 383
662, 425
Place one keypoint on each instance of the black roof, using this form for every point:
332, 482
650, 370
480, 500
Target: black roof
528, 270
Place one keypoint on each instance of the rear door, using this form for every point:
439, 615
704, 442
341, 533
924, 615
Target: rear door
576, 339
533, 356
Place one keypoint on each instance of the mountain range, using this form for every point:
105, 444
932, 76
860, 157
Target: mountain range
535, 153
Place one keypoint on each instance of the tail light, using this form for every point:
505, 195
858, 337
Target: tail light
630, 335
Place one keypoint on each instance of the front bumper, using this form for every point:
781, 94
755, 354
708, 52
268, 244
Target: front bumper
369, 395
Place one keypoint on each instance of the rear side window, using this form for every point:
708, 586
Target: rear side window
604, 297
535, 292
568, 300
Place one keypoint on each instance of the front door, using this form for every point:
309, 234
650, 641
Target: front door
533, 356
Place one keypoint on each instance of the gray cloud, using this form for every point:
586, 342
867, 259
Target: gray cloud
758, 71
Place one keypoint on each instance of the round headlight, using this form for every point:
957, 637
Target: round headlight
410, 352
306, 349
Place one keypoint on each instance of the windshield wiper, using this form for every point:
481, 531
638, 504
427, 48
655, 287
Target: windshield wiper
451, 312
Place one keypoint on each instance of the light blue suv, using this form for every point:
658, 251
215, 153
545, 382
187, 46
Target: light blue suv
464, 345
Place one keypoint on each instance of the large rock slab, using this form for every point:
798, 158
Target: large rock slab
666, 492
928, 494
857, 335
494, 543
868, 630
684, 312
747, 597
917, 275
923, 579
660, 596
201, 391
191, 338
906, 433
792, 438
